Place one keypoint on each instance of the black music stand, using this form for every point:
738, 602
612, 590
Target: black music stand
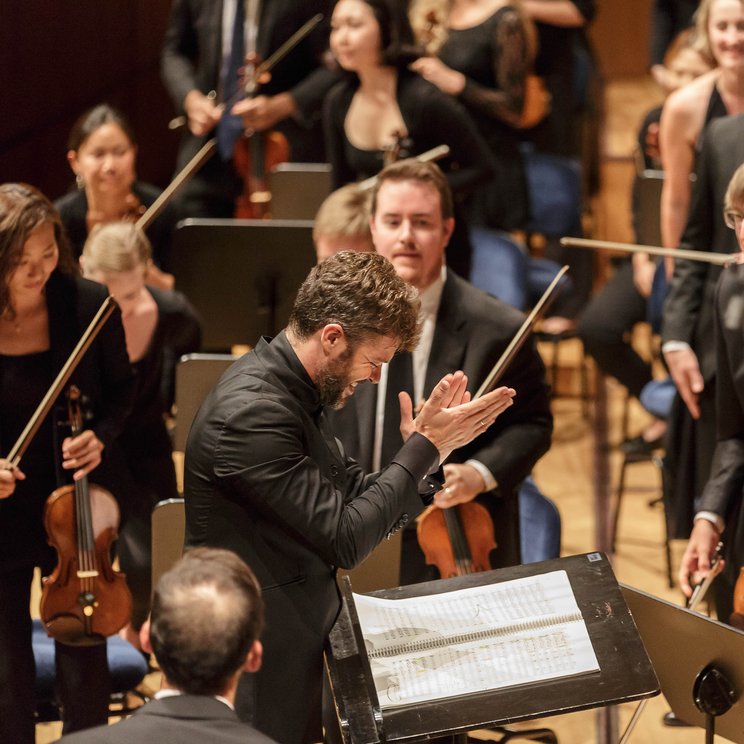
685, 648
625, 672
241, 275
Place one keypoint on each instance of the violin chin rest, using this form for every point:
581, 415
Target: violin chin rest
68, 628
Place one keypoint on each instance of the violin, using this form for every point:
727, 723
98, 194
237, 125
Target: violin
257, 153
84, 599
459, 540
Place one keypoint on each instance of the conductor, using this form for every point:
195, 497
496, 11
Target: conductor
266, 478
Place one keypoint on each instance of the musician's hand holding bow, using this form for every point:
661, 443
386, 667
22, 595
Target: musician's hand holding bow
263, 112
82, 453
201, 112
449, 419
8, 478
696, 560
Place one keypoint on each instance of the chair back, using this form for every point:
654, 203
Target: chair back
298, 190
554, 189
168, 531
647, 206
379, 570
196, 375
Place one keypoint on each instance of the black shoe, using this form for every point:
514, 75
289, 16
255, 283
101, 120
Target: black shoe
669, 719
640, 447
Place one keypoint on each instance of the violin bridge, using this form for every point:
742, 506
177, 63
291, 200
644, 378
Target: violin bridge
87, 574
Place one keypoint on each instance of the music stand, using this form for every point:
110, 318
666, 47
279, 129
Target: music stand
625, 671
241, 275
683, 645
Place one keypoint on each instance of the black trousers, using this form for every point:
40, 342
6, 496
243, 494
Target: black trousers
603, 326
82, 672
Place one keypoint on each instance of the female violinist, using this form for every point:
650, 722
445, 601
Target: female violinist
101, 151
160, 326
44, 309
382, 105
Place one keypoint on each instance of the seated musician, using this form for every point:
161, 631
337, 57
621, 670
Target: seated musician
160, 326
207, 615
102, 150
342, 222
44, 309
464, 328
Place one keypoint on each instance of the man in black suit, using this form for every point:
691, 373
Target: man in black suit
720, 515
688, 323
463, 328
206, 619
266, 478
197, 73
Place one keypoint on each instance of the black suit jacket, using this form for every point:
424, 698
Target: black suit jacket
181, 719
723, 492
192, 55
688, 310
266, 479
472, 331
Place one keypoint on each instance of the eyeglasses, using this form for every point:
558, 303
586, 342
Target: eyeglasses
733, 219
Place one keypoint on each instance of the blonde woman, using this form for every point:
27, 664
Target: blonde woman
719, 29
159, 326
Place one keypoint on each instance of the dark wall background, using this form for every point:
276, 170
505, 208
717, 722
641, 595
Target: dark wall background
58, 58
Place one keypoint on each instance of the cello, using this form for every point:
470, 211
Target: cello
84, 599
458, 540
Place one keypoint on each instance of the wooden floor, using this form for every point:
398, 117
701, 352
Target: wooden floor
566, 472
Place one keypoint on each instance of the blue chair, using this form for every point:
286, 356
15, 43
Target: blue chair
554, 189
127, 667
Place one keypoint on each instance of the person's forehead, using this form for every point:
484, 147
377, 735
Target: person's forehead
422, 193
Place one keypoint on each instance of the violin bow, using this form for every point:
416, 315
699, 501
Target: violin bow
430, 156
521, 336
24, 440
181, 178
719, 259
288, 45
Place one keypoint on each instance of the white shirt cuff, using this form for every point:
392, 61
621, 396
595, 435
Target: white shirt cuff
715, 519
668, 346
485, 473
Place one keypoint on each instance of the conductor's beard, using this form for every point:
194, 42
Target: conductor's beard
333, 383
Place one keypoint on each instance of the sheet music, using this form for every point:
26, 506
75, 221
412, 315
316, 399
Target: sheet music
476, 639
